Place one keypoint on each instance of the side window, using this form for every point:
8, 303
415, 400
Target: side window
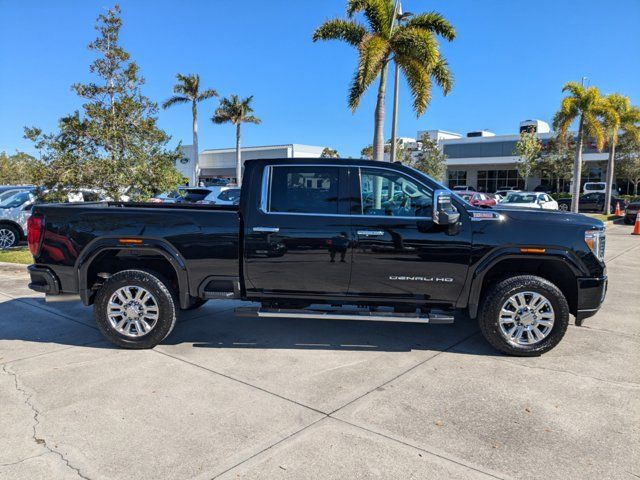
304, 189
387, 193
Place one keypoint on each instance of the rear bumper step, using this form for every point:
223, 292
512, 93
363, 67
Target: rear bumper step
354, 314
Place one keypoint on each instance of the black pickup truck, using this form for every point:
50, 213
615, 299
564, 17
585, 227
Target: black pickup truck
325, 238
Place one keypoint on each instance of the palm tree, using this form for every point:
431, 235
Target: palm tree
623, 116
236, 111
589, 107
412, 45
188, 90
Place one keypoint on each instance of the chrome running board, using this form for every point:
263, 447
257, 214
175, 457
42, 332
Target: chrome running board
326, 314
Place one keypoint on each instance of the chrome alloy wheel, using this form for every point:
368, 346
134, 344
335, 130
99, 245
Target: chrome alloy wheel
526, 318
133, 311
7, 238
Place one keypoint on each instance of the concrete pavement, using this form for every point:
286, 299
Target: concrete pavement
227, 397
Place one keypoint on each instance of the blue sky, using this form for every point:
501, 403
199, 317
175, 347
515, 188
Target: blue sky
510, 61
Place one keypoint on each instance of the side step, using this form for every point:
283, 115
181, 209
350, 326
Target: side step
345, 314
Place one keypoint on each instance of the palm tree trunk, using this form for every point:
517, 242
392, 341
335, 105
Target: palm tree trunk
194, 111
238, 157
378, 129
610, 178
577, 169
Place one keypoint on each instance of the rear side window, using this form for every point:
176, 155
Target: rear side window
304, 189
230, 195
196, 194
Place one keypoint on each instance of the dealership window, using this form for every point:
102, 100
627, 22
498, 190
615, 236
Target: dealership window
304, 190
456, 177
492, 180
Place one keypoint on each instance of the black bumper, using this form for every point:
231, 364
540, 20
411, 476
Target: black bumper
591, 293
43, 280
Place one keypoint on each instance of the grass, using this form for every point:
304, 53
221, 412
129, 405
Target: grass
16, 255
604, 218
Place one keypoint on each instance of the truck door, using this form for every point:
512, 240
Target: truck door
399, 252
297, 241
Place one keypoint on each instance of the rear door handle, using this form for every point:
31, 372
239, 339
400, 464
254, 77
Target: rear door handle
371, 233
266, 229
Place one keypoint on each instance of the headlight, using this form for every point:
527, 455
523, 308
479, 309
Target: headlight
595, 240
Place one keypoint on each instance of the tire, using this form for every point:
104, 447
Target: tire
195, 304
529, 323
9, 236
159, 305
563, 207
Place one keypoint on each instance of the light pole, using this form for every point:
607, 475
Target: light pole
399, 16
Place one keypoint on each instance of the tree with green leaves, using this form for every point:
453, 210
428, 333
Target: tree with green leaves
628, 159
115, 144
556, 161
412, 45
430, 159
528, 148
17, 169
187, 90
588, 107
236, 111
329, 153
623, 116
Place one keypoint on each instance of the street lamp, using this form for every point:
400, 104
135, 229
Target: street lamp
394, 120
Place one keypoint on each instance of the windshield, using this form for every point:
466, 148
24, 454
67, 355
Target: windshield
520, 198
15, 200
7, 194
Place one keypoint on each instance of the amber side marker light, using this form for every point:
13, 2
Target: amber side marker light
532, 250
130, 241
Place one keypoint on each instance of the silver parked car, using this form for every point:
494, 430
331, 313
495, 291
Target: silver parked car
15, 209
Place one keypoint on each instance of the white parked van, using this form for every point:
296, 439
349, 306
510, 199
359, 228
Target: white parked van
597, 187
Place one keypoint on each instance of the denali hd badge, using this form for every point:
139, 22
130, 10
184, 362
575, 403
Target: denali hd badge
421, 279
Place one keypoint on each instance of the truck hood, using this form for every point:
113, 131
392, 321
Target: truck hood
548, 217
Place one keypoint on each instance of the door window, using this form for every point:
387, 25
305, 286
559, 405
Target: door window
302, 189
388, 193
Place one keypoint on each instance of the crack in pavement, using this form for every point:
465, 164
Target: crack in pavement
36, 421
23, 460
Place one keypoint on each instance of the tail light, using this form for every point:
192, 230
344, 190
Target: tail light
35, 230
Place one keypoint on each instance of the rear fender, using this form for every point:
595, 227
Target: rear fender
148, 245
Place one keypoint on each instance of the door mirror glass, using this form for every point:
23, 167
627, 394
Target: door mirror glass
444, 213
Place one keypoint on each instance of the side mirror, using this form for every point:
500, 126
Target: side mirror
444, 213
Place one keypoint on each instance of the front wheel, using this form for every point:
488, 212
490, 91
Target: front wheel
524, 316
135, 309
9, 236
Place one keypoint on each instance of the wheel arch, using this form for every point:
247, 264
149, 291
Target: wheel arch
109, 255
10, 223
555, 266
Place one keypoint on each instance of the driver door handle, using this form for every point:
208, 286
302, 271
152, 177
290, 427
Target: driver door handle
371, 233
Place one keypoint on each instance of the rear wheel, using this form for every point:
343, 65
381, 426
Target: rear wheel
524, 315
135, 309
564, 207
9, 236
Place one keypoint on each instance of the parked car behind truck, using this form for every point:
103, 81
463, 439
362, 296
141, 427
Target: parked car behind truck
14, 212
305, 242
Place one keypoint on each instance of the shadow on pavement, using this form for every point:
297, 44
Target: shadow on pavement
20, 321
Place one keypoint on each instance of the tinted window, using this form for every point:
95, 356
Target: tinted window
304, 190
196, 194
230, 195
388, 193
15, 200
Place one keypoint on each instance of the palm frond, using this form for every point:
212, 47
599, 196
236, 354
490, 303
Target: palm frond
379, 13
594, 128
346, 30
374, 52
176, 99
208, 93
574, 88
433, 22
251, 119
419, 82
416, 43
443, 76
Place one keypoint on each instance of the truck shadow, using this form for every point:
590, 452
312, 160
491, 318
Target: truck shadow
32, 321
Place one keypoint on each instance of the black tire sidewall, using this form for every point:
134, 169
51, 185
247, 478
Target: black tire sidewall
498, 295
152, 282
